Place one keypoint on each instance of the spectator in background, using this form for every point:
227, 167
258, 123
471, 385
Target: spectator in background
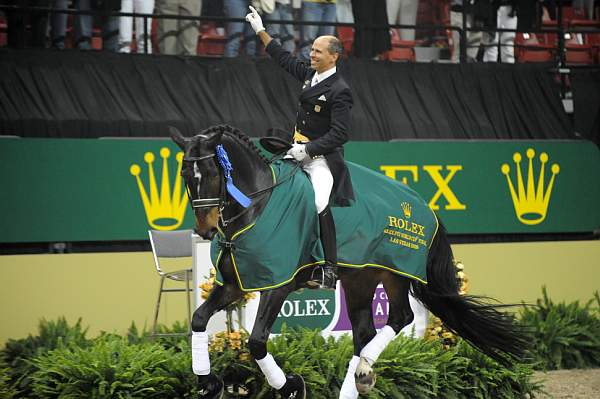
283, 33
585, 8
460, 9
236, 31
403, 12
83, 24
506, 18
370, 42
318, 11
178, 36
58, 24
144, 43
344, 11
17, 21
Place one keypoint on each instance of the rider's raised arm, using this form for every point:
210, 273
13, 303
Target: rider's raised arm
286, 60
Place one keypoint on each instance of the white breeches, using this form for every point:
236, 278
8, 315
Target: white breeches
321, 179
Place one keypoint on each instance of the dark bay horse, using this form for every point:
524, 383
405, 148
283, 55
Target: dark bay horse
481, 324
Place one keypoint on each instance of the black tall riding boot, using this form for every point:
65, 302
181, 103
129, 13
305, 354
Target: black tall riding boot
328, 277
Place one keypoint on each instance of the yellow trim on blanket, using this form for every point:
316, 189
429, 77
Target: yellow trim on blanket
350, 265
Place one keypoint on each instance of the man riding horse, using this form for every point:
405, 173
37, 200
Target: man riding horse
322, 124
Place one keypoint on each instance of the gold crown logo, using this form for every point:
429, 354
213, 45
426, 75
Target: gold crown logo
407, 209
530, 203
164, 210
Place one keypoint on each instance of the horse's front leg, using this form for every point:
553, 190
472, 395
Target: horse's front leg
291, 386
209, 385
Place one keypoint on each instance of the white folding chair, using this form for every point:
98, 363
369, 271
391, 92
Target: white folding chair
172, 244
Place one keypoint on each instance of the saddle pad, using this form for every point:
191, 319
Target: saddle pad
389, 226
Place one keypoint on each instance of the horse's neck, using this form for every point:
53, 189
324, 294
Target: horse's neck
250, 174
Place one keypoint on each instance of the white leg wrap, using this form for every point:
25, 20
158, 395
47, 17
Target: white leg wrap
348, 390
275, 376
200, 359
374, 348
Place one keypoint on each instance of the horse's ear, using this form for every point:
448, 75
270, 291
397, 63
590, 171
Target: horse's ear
177, 137
213, 138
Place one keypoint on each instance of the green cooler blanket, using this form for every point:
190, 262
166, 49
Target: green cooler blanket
389, 226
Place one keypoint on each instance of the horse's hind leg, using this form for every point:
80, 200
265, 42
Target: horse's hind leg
209, 385
358, 290
291, 386
400, 315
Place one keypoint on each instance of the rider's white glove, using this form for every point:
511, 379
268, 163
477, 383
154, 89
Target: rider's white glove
298, 151
255, 20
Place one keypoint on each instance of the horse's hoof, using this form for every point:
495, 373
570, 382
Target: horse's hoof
210, 387
364, 377
294, 387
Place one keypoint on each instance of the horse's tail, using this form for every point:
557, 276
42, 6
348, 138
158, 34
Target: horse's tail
480, 323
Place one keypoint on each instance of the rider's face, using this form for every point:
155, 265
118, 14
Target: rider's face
320, 57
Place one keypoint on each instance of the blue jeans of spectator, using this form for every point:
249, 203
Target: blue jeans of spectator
83, 29
237, 30
283, 33
58, 24
315, 12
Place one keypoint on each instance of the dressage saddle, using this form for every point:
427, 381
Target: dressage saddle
275, 145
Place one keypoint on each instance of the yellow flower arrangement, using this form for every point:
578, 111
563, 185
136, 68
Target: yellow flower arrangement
436, 329
231, 339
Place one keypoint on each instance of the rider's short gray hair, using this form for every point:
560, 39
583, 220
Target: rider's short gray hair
335, 46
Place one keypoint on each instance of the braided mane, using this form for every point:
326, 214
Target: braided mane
237, 134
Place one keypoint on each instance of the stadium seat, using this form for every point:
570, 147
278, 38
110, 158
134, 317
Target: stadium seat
97, 39
210, 42
528, 48
346, 35
577, 48
3, 28
591, 38
402, 50
172, 244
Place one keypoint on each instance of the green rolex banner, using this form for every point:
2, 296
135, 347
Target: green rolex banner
60, 190
480, 187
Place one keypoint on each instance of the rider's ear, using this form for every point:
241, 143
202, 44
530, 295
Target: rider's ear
177, 137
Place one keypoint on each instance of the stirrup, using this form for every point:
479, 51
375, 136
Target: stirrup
326, 280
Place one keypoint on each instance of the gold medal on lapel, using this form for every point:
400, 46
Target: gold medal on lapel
317, 108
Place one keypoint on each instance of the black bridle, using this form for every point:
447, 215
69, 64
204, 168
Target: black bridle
203, 202
221, 202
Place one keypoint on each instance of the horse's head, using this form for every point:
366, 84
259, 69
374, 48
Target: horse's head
203, 178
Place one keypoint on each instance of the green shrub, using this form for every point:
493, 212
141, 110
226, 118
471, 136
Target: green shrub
62, 362
7, 391
51, 334
112, 368
564, 335
408, 368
